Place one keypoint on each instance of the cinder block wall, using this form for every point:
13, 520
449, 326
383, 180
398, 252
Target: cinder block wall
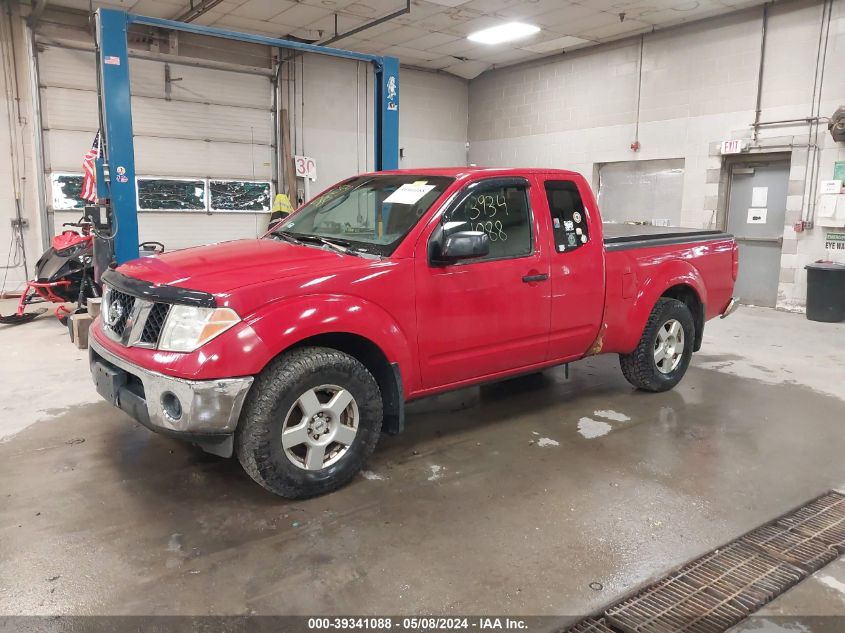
699, 87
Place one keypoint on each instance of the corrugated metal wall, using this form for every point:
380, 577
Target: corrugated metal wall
216, 124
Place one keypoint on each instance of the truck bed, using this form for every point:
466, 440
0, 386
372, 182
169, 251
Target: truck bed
627, 236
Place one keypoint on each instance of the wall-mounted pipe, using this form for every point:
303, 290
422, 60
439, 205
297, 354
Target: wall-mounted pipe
636, 144
44, 194
758, 107
813, 166
806, 119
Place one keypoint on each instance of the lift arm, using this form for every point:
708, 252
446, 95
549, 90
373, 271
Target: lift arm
118, 182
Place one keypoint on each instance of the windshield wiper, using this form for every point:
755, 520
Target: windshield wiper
287, 236
341, 246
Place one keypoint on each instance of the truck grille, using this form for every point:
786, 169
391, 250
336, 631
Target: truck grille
155, 322
131, 320
118, 310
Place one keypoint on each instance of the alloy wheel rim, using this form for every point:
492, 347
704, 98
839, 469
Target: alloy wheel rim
669, 346
320, 427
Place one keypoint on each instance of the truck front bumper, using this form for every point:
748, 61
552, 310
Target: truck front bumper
204, 412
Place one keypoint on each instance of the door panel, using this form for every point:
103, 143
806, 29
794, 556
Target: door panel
756, 215
577, 270
480, 317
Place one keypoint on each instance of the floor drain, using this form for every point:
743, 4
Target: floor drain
711, 594
822, 520
802, 551
722, 588
591, 625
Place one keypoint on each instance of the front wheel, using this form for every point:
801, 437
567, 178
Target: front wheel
663, 354
311, 420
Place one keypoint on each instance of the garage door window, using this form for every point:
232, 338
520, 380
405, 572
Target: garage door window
186, 194
239, 195
67, 192
164, 194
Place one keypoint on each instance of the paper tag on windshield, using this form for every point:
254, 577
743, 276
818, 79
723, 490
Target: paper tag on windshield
408, 194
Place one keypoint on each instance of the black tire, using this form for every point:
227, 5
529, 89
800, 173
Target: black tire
639, 366
258, 440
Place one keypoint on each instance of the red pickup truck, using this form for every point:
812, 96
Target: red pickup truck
295, 351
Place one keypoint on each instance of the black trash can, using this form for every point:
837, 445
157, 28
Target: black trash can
826, 292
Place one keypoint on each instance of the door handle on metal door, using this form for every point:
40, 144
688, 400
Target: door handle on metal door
541, 277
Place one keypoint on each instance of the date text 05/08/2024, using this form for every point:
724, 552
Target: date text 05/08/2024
419, 623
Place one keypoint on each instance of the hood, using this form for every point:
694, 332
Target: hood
224, 267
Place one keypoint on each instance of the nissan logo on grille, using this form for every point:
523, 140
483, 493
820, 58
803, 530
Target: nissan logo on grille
113, 314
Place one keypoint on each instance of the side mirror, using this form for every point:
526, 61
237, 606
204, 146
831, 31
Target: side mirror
463, 245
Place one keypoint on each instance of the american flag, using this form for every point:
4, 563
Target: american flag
89, 181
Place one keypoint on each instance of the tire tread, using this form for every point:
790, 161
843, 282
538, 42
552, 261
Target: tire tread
252, 441
638, 366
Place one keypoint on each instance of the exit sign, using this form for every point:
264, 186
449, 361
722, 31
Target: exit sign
732, 147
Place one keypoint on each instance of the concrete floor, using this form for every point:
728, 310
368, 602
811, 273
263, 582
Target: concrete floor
509, 499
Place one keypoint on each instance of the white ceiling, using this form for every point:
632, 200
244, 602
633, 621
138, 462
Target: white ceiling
433, 34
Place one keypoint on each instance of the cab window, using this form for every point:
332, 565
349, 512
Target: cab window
569, 219
500, 210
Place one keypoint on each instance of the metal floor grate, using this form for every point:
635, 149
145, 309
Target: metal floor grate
802, 551
722, 588
709, 595
591, 625
822, 520
744, 575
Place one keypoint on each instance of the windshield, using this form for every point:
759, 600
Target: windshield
367, 214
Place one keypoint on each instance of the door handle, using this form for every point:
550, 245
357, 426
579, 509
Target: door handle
530, 278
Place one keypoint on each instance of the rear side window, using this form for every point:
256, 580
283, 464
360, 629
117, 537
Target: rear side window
501, 211
569, 220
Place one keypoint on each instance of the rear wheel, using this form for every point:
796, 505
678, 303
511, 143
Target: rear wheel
663, 354
310, 422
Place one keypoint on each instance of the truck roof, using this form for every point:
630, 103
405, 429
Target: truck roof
466, 172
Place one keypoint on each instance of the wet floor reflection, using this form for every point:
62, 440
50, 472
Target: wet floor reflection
510, 498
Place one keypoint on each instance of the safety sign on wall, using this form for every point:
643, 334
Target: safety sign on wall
834, 242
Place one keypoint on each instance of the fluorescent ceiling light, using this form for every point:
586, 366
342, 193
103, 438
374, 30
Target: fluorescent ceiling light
504, 33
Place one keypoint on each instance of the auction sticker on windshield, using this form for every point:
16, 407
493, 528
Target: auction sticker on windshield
408, 194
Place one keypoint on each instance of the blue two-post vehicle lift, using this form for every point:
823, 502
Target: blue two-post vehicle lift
118, 182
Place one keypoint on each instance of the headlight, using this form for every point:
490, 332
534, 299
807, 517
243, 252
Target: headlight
188, 328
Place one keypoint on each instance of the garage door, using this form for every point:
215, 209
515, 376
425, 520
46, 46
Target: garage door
203, 145
649, 191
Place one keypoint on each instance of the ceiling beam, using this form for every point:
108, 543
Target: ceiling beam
194, 11
364, 27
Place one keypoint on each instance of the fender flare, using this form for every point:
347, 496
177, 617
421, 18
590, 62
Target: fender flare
673, 273
287, 322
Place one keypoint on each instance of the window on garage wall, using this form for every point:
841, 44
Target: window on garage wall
174, 194
239, 195
171, 194
67, 192
644, 191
